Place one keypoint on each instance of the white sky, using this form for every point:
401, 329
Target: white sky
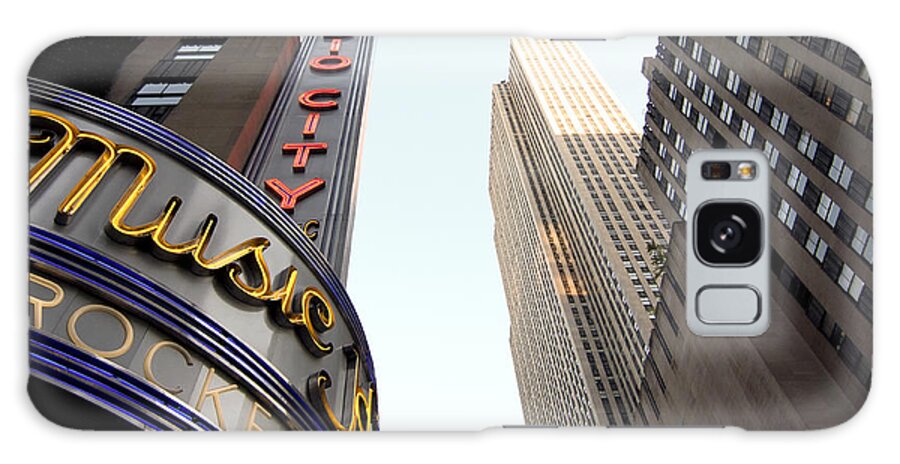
423, 271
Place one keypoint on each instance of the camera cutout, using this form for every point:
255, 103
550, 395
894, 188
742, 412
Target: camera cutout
727, 256
728, 233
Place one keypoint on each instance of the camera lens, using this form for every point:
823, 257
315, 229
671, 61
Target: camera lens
728, 233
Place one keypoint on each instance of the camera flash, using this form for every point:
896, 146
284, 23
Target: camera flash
746, 171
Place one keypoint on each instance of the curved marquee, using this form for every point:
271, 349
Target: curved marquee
168, 291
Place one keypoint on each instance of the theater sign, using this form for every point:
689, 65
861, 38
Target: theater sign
167, 291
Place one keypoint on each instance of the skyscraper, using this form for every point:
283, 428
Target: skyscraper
575, 233
806, 103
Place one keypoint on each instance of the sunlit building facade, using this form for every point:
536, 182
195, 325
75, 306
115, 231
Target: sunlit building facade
575, 233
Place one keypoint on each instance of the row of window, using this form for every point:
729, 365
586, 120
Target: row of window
824, 207
620, 299
847, 351
837, 170
845, 106
172, 77
834, 267
837, 53
858, 187
845, 228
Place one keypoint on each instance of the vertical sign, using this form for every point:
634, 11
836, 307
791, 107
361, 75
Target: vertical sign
307, 159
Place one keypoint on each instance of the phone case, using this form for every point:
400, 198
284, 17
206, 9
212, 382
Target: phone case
519, 241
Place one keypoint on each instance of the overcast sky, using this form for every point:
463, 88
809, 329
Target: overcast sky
423, 271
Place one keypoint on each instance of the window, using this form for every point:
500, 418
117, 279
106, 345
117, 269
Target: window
856, 288
673, 92
824, 205
837, 167
840, 102
779, 60
155, 101
697, 52
846, 277
779, 120
197, 52
714, 66
674, 168
726, 112
833, 213
754, 101
702, 123
692, 80
793, 177
816, 246
803, 143
787, 215
747, 132
773, 158
868, 251
161, 88
708, 95
856, 106
686, 107
801, 184
859, 240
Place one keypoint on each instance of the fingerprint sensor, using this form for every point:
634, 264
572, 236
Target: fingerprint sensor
724, 304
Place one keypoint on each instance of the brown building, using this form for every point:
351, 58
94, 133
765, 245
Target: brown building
215, 95
806, 103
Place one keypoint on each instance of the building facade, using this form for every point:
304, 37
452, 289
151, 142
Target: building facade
806, 103
191, 203
575, 233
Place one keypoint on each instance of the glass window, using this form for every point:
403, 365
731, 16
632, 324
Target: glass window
708, 95
702, 123
824, 205
868, 252
747, 132
195, 56
734, 82
833, 214
151, 88
714, 66
856, 106
846, 277
697, 52
156, 101
197, 51
726, 112
754, 101
793, 177
812, 241
178, 89
821, 251
692, 80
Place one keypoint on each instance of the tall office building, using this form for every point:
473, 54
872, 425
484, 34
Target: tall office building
806, 103
574, 232
190, 210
